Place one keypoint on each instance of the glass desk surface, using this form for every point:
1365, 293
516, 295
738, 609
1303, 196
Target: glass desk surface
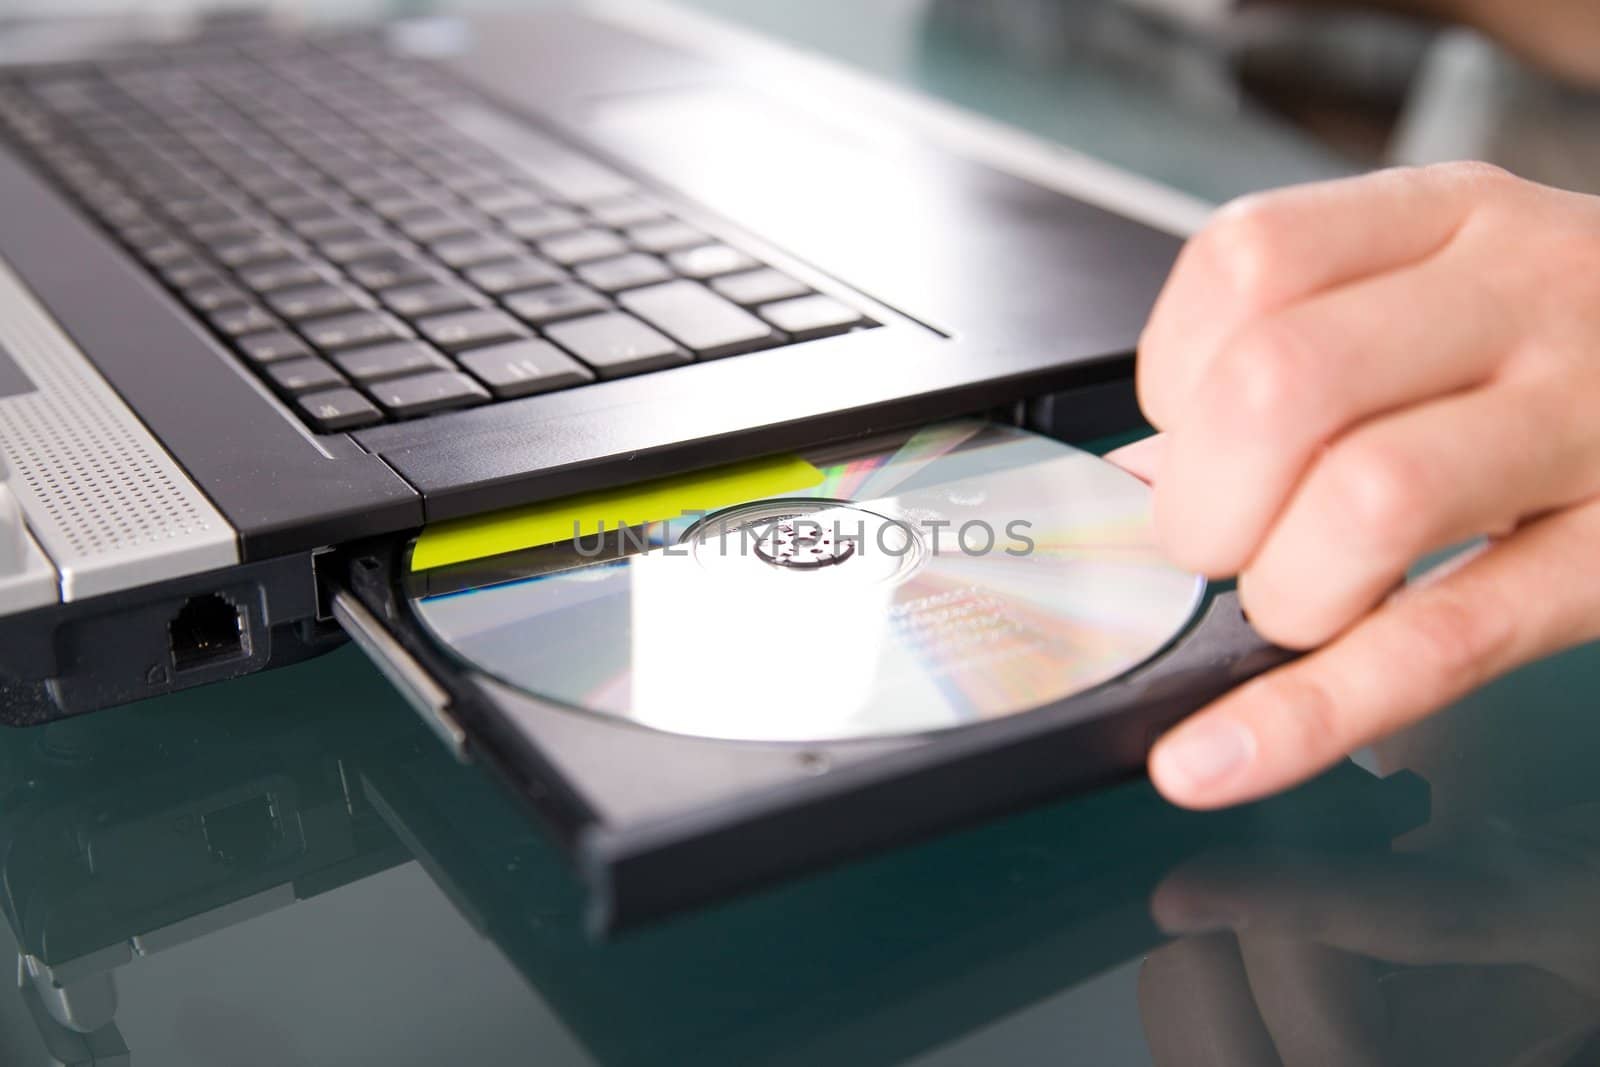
291, 871
288, 870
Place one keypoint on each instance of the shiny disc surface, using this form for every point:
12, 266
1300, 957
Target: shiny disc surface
957, 574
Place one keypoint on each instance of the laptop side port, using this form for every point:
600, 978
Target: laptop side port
207, 630
82, 655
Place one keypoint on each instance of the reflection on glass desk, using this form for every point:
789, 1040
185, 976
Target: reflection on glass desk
302, 875
185, 885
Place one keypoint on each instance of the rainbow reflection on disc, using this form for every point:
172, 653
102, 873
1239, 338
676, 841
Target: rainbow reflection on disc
960, 573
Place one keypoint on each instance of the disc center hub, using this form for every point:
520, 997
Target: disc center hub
803, 544
807, 536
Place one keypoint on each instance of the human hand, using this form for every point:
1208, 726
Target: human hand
1561, 36
1351, 375
1481, 948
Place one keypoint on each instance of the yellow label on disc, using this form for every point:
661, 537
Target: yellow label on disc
547, 523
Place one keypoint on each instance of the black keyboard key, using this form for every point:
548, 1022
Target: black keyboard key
470, 251
148, 240
314, 301
324, 223
179, 265
259, 250
359, 248
388, 270
238, 321
265, 184
214, 297
624, 211
301, 208
190, 273
522, 368
354, 330
500, 200
437, 225
272, 346
340, 168
376, 362
403, 206
335, 228
468, 329
379, 187
536, 224
332, 223
431, 298
224, 232
468, 182
624, 272
710, 261
333, 410
124, 211
668, 235
759, 287
286, 273
193, 210
165, 253
425, 393
441, 165
615, 344
699, 319
510, 275
582, 246
554, 302
810, 317
136, 226
303, 375
144, 239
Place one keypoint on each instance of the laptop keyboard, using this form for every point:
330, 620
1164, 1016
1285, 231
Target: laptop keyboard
376, 243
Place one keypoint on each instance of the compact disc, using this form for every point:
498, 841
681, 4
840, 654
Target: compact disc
956, 574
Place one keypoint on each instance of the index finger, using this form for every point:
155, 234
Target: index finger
1265, 252
1529, 595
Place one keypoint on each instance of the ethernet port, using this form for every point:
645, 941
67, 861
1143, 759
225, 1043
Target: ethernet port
206, 631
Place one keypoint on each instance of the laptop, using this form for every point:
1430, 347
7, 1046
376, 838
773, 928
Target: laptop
268, 291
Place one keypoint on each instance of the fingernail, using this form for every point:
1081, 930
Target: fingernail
1196, 757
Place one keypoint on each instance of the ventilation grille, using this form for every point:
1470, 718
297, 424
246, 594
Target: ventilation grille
103, 498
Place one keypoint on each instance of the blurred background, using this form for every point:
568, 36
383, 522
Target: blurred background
1208, 97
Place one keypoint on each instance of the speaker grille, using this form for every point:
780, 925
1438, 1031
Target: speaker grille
106, 502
